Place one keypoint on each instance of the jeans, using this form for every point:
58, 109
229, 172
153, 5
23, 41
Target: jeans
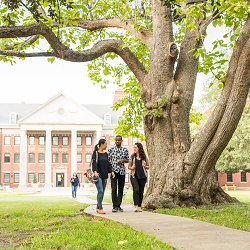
100, 186
138, 189
120, 180
74, 188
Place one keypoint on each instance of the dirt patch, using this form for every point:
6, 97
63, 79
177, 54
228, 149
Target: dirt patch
9, 241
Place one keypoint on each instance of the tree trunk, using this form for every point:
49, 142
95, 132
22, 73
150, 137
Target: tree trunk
183, 173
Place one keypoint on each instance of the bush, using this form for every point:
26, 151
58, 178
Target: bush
35, 179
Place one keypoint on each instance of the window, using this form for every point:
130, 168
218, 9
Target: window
229, 177
32, 140
64, 158
79, 141
125, 141
17, 140
88, 141
55, 158
31, 158
135, 140
103, 137
107, 119
16, 177
127, 177
41, 177
79, 177
243, 176
7, 158
6, 178
13, 118
55, 140
16, 158
41, 140
79, 158
7, 140
41, 158
65, 140
31, 177
111, 141
88, 158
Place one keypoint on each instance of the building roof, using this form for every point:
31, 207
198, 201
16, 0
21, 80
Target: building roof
23, 109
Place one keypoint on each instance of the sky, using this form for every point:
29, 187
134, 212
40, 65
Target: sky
35, 80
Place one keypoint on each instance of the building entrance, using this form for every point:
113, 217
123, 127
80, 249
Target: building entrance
60, 180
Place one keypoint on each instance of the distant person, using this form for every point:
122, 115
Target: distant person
101, 167
74, 184
118, 155
138, 163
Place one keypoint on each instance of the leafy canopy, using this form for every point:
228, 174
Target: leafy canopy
108, 68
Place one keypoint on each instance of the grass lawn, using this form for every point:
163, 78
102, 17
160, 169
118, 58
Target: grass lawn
31, 222
233, 215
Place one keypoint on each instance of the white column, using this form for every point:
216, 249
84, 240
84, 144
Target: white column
73, 152
23, 160
48, 160
98, 135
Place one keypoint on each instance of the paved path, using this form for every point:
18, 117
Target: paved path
179, 232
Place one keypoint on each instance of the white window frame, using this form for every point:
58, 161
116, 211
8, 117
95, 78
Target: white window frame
4, 178
10, 117
41, 142
30, 158
39, 177
53, 158
54, 144
66, 142
17, 140
7, 140
125, 141
31, 178
30, 141
135, 140
88, 158
79, 141
6, 155
42, 161
65, 158
79, 158
79, 177
86, 141
15, 158
107, 118
15, 177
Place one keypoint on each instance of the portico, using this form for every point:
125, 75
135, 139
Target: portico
63, 123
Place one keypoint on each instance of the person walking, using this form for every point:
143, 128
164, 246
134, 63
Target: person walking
74, 184
138, 163
118, 155
101, 167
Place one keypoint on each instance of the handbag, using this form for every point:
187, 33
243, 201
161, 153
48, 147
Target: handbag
89, 172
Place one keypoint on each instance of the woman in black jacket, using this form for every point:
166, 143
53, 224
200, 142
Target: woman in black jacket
101, 167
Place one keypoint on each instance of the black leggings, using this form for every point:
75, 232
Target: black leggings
138, 189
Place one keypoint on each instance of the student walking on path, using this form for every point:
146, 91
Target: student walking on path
74, 184
118, 155
138, 163
101, 167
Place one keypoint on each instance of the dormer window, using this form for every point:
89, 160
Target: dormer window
107, 118
12, 117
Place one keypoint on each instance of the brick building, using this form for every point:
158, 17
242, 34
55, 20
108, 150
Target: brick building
53, 140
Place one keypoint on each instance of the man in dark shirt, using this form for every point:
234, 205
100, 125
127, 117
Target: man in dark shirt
118, 155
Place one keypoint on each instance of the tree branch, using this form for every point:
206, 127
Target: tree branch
19, 54
20, 46
145, 36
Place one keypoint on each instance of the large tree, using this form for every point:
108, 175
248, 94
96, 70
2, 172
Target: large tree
146, 38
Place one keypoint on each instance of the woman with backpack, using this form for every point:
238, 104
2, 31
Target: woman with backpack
101, 167
138, 163
74, 184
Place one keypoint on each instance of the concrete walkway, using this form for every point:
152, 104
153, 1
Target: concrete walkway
179, 232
